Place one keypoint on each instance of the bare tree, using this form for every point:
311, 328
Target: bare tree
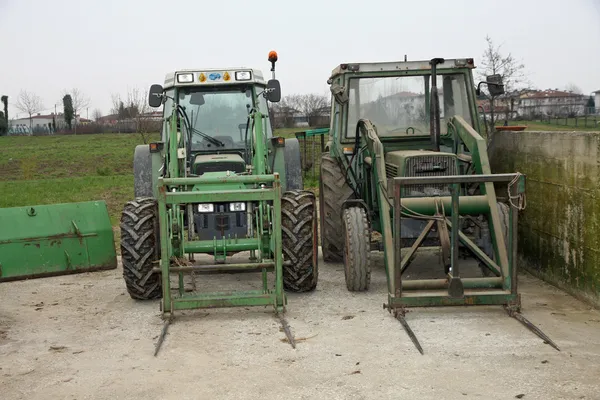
312, 105
511, 70
116, 101
29, 103
283, 112
575, 103
96, 114
138, 110
80, 101
573, 88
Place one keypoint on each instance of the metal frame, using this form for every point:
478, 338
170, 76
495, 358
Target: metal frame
501, 290
273, 262
456, 290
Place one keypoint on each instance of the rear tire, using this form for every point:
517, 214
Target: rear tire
142, 171
140, 248
293, 165
333, 192
299, 237
357, 250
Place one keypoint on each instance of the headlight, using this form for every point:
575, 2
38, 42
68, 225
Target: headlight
206, 207
185, 78
243, 75
237, 206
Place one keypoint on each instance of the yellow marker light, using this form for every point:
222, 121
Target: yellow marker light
202, 77
278, 141
226, 76
348, 150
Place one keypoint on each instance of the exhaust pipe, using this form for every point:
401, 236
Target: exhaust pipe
434, 106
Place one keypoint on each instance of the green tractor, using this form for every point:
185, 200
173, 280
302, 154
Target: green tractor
392, 170
218, 183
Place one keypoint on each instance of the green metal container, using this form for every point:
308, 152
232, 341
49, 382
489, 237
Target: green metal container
57, 239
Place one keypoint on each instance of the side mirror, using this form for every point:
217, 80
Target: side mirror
197, 99
274, 92
495, 85
339, 93
155, 96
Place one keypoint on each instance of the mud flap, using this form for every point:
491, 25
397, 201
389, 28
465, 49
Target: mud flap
56, 239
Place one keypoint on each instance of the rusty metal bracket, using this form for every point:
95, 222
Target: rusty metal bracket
519, 317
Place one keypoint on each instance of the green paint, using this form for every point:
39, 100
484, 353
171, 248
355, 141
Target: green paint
379, 158
58, 239
262, 186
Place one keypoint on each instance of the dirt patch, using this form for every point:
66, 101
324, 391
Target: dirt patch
90, 340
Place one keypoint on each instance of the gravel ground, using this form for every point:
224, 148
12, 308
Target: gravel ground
82, 337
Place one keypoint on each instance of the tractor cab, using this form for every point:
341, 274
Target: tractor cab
216, 106
411, 104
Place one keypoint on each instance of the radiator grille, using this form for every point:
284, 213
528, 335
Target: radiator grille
430, 165
201, 168
391, 170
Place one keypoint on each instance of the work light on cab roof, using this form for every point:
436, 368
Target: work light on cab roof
216, 76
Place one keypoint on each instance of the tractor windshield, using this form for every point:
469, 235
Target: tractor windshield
219, 112
399, 105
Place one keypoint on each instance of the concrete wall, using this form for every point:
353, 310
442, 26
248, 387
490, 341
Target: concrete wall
559, 231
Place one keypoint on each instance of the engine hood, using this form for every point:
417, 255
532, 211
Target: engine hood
218, 162
420, 163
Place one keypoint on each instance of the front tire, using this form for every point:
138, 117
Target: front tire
299, 237
357, 249
140, 248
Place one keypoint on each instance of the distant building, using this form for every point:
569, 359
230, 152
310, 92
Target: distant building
551, 103
532, 104
597, 101
291, 118
41, 123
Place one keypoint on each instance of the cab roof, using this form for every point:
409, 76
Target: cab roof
449, 63
213, 76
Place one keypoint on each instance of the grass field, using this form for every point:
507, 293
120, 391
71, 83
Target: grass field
63, 169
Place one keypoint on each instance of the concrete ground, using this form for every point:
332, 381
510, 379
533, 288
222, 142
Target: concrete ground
82, 337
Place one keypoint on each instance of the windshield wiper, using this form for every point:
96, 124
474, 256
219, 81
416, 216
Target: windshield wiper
209, 138
186, 119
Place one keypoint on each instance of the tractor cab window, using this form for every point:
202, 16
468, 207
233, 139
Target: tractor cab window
399, 105
219, 112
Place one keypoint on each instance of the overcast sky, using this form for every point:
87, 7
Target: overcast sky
106, 46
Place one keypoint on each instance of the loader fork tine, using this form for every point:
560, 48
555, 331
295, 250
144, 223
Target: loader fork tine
287, 330
409, 331
519, 317
163, 333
